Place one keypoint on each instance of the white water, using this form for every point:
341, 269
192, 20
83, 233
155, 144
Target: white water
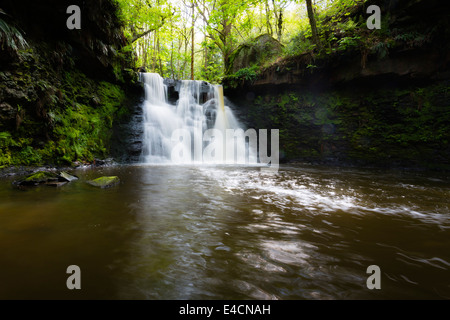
195, 112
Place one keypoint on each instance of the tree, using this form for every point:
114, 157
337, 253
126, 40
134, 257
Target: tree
163, 32
312, 22
142, 17
278, 9
219, 17
193, 39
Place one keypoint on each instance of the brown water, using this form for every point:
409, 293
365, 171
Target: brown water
181, 232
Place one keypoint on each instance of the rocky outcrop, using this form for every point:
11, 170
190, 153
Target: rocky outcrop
94, 48
127, 135
403, 65
174, 87
258, 51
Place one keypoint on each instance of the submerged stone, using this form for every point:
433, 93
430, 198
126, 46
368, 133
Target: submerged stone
56, 184
105, 182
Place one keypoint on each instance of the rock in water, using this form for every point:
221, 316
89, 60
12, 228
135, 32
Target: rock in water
105, 182
42, 177
67, 176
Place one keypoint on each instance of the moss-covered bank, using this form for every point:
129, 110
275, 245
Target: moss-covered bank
388, 127
61, 90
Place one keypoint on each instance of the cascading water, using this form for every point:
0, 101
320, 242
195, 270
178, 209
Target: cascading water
200, 107
159, 120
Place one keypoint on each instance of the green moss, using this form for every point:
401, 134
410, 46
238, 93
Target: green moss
40, 176
105, 182
404, 127
79, 125
245, 74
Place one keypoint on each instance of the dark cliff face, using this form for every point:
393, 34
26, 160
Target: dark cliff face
93, 48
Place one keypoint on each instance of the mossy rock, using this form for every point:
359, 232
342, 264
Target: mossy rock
41, 177
105, 182
257, 52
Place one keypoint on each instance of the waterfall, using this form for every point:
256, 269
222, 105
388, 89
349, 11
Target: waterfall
180, 129
159, 120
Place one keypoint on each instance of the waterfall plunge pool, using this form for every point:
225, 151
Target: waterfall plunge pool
228, 232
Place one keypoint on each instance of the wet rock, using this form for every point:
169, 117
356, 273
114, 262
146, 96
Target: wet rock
7, 113
135, 149
103, 162
105, 182
67, 176
42, 177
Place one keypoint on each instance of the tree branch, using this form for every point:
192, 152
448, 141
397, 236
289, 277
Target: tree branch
137, 36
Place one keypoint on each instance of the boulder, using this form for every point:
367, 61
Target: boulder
42, 177
257, 52
105, 182
7, 113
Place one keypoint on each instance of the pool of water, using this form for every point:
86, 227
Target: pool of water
218, 232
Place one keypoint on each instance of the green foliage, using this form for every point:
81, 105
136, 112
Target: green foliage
80, 129
221, 27
298, 45
381, 49
81, 132
347, 43
247, 74
242, 75
29, 156
5, 155
55, 114
11, 39
412, 39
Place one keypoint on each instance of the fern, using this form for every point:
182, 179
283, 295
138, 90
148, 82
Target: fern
11, 39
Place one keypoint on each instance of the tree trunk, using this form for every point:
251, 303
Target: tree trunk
227, 62
186, 43
206, 56
161, 71
154, 53
312, 22
280, 25
193, 43
171, 49
268, 25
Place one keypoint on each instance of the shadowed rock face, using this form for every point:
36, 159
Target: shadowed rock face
93, 47
174, 86
126, 145
59, 70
